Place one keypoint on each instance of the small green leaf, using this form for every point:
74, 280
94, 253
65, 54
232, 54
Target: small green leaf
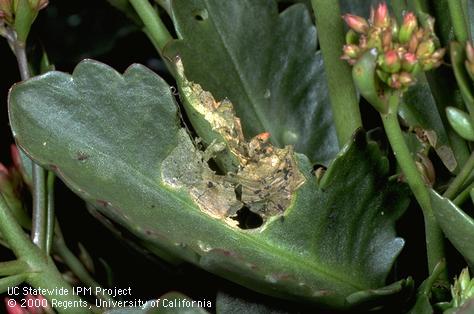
364, 77
460, 122
456, 225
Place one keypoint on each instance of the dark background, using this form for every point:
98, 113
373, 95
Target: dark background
72, 30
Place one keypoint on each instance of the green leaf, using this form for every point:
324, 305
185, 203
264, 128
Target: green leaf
460, 122
458, 58
456, 224
418, 109
169, 303
265, 63
116, 141
423, 305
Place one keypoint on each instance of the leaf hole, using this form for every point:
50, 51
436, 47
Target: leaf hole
248, 219
200, 15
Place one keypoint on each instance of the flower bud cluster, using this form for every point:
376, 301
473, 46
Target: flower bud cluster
403, 50
463, 289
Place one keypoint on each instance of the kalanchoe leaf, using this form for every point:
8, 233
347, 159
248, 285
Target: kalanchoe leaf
456, 224
323, 247
460, 122
422, 304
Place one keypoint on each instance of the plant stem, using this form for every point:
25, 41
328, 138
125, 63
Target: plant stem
434, 235
457, 183
420, 6
458, 19
39, 215
43, 271
13, 267
13, 233
463, 195
342, 92
38, 228
11, 281
50, 219
154, 26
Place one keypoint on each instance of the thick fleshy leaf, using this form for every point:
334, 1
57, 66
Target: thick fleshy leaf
264, 62
456, 224
116, 141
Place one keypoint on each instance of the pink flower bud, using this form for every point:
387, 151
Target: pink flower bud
408, 27
409, 61
381, 18
394, 81
390, 62
357, 23
351, 51
425, 49
406, 79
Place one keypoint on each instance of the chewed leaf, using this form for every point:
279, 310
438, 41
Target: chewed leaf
264, 176
116, 141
